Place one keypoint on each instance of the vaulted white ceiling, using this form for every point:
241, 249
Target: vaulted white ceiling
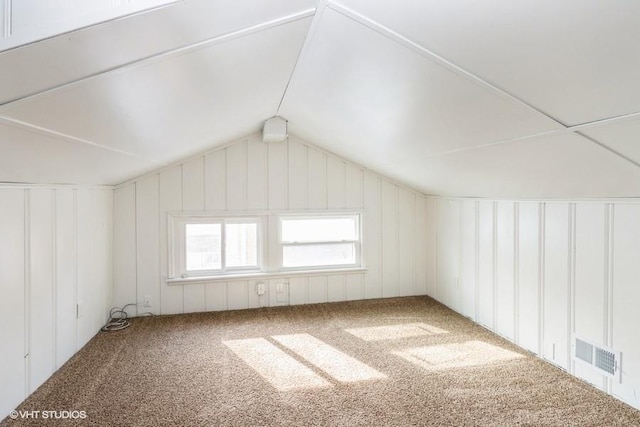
491, 99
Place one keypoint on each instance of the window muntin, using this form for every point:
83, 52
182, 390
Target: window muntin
327, 241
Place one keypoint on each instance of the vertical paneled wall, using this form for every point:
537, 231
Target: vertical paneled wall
55, 280
251, 176
539, 273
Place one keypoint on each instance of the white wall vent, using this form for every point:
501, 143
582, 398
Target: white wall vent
602, 359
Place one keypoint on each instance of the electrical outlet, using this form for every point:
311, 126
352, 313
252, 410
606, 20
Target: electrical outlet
282, 292
260, 288
147, 301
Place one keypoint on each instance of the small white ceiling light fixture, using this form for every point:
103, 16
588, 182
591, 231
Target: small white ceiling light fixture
275, 130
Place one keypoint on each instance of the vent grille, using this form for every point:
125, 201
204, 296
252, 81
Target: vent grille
604, 360
584, 351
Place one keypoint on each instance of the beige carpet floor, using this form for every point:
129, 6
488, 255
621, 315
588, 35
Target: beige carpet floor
393, 362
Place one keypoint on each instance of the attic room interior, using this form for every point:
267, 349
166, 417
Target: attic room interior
320, 212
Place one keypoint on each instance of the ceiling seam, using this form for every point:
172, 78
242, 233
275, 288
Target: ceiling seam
518, 139
428, 54
609, 149
75, 30
166, 53
49, 132
607, 121
570, 129
320, 8
577, 130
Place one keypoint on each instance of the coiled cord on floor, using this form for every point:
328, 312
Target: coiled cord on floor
117, 319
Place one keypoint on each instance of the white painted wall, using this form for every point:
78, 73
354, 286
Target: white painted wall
55, 253
542, 271
251, 176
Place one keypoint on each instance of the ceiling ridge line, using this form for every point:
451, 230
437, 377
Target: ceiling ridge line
49, 132
429, 54
169, 52
319, 11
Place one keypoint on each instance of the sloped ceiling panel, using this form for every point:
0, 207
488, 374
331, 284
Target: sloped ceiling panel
56, 61
28, 21
32, 157
623, 137
558, 166
367, 98
576, 61
529, 99
174, 106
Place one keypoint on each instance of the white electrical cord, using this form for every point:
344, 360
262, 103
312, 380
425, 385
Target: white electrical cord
117, 319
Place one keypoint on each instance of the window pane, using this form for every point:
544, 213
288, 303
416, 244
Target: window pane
241, 246
319, 230
204, 243
319, 255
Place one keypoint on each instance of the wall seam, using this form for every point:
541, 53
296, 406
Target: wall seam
572, 287
610, 221
345, 167
54, 278
181, 172
397, 209
542, 209
459, 298
308, 172
27, 290
136, 243
160, 237
415, 244
245, 198
288, 203
380, 212
494, 260
476, 254
516, 272
75, 250
204, 208
204, 184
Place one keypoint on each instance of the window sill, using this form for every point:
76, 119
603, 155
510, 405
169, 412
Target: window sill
264, 275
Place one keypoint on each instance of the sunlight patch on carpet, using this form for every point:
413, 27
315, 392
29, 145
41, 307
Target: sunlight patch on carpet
457, 355
338, 365
278, 368
394, 332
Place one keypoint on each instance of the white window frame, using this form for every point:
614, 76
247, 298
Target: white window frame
357, 243
177, 244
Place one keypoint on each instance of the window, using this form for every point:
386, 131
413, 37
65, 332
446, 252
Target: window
209, 246
320, 241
